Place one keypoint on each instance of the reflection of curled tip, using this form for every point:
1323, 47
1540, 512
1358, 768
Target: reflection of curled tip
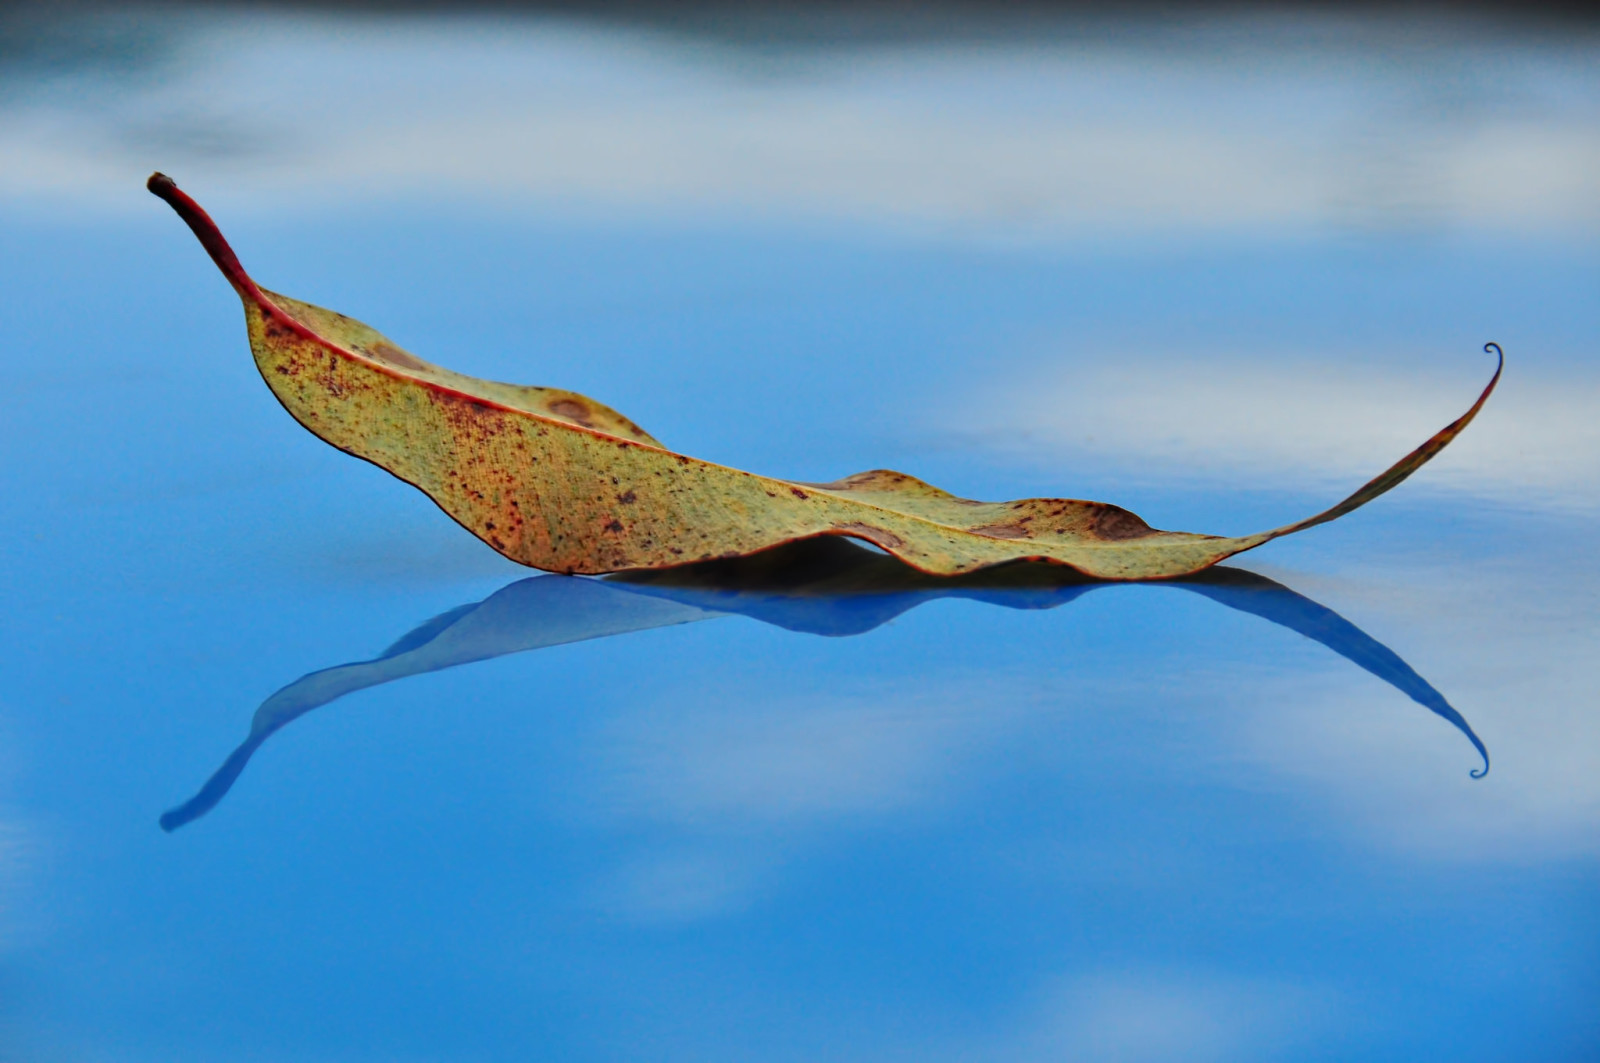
1483, 750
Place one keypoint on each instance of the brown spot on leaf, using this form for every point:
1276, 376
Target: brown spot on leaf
1115, 524
1003, 531
628, 498
389, 354
875, 535
572, 410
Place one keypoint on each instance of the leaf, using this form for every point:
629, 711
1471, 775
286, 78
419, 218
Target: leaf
557, 481
822, 587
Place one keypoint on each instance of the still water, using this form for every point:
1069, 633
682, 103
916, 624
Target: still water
811, 806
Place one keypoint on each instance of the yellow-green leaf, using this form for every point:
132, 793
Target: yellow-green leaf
555, 480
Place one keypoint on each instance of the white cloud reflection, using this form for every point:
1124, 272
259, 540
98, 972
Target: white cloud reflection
800, 760
1169, 1016
1257, 122
1298, 422
686, 883
19, 855
743, 787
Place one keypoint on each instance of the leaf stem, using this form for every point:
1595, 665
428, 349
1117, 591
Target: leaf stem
206, 230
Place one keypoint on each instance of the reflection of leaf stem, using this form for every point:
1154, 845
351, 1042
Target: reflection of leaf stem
822, 586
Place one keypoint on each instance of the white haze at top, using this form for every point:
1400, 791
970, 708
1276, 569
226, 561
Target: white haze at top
1204, 122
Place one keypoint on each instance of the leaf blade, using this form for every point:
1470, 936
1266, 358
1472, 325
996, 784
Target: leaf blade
557, 481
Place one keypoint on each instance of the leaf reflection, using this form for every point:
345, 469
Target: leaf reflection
819, 586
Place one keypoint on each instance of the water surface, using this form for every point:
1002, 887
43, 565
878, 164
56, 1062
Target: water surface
812, 814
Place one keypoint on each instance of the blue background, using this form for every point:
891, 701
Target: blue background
1138, 826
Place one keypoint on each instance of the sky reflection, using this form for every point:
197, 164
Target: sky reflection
1218, 269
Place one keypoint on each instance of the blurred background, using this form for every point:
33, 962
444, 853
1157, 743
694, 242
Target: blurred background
1039, 122
1217, 263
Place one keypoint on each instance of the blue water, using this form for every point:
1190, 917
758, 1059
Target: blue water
781, 813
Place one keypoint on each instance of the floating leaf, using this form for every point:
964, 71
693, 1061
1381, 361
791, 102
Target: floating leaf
821, 587
555, 480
